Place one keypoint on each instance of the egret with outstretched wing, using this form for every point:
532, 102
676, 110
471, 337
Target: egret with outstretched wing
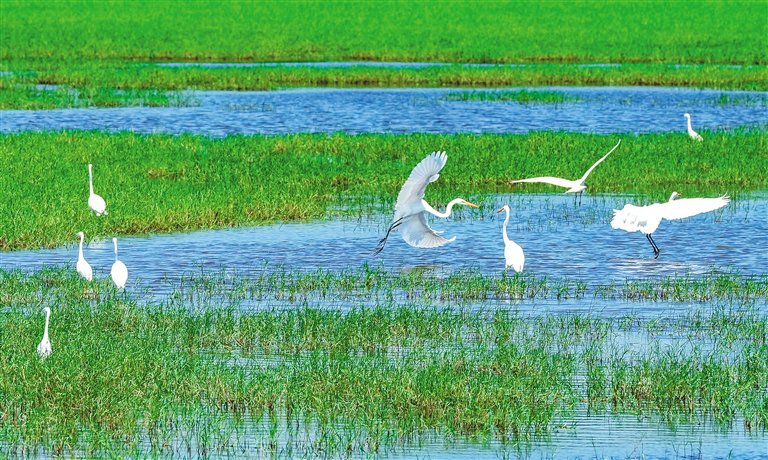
646, 219
411, 208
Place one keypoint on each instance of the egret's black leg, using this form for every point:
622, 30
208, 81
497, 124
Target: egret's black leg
383, 241
656, 250
580, 193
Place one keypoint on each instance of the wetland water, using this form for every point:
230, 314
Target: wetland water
597, 110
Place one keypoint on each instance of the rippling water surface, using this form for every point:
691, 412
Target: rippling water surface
599, 110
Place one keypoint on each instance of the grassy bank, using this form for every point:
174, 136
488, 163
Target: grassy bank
126, 376
161, 183
112, 81
675, 33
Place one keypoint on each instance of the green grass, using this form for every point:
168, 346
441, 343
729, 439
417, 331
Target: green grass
163, 183
135, 377
29, 97
17, 90
676, 33
521, 96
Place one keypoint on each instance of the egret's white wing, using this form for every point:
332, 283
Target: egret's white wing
687, 207
418, 233
584, 177
425, 172
631, 218
549, 180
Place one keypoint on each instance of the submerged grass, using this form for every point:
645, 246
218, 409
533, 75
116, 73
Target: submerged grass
521, 96
31, 97
127, 376
722, 32
163, 183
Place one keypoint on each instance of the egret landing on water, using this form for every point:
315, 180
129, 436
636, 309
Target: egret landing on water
119, 271
411, 209
694, 135
574, 186
646, 219
83, 268
513, 253
95, 202
44, 349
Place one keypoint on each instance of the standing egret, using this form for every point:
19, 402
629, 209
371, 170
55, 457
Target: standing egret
694, 135
119, 270
573, 186
83, 267
95, 202
44, 349
411, 208
513, 253
646, 219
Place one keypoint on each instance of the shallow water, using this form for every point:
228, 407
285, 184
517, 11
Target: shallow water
559, 239
599, 110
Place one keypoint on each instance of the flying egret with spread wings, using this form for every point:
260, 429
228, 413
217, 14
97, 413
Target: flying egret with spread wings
573, 186
411, 209
694, 135
646, 219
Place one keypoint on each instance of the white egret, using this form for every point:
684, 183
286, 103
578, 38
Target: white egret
694, 135
119, 271
646, 219
83, 267
513, 253
573, 186
411, 208
44, 349
95, 202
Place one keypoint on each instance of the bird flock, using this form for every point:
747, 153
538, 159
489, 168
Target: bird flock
411, 211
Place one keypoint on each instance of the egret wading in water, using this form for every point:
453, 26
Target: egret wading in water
513, 253
646, 219
694, 135
119, 271
411, 209
574, 186
95, 202
44, 349
83, 267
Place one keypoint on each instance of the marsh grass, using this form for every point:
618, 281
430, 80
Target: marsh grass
520, 96
164, 183
142, 377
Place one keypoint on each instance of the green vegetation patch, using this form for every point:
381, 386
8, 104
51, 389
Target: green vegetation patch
32, 97
522, 96
127, 376
589, 32
164, 183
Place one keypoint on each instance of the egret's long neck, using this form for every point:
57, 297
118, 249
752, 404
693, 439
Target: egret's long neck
115, 250
504, 227
448, 208
672, 197
90, 177
689, 124
47, 318
81, 247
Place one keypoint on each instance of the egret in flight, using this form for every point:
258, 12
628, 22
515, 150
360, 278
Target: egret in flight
44, 349
513, 253
646, 219
694, 135
411, 209
573, 186
95, 202
119, 271
83, 267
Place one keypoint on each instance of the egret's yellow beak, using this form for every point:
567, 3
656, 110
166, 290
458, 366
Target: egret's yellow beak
500, 210
471, 204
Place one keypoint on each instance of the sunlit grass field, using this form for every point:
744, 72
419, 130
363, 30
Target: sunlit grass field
165, 183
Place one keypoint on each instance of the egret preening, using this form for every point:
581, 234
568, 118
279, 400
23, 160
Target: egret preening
95, 202
573, 186
694, 135
44, 349
119, 271
513, 253
646, 219
83, 267
411, 209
